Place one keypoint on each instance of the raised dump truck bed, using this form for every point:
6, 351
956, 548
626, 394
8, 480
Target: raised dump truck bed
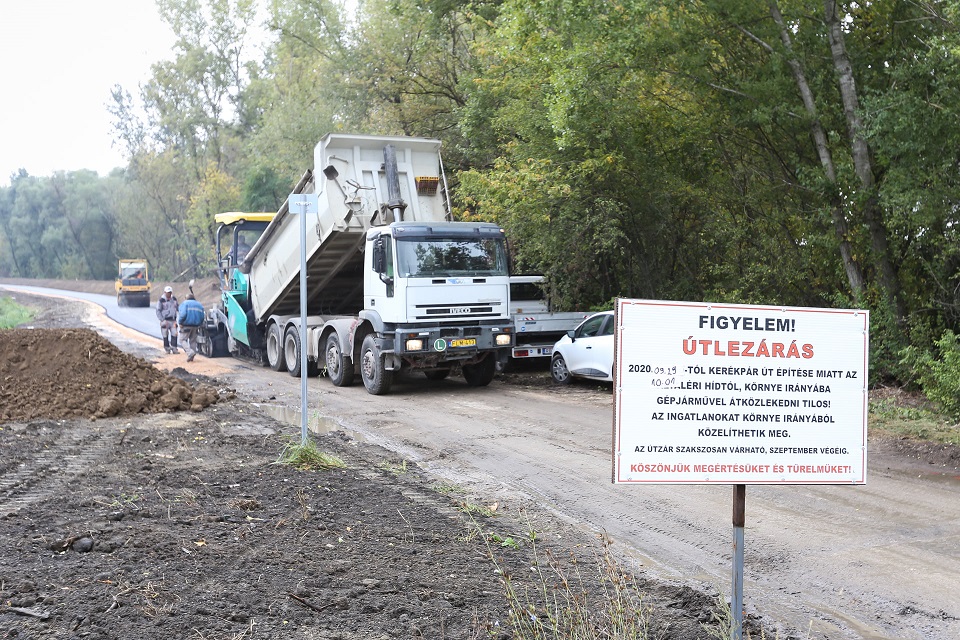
351, 190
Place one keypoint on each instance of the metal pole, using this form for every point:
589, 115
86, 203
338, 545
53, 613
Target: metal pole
736, 598
303, 322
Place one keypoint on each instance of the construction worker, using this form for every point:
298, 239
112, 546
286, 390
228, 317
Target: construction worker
167, 309
190, 317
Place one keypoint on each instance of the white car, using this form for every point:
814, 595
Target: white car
585, 352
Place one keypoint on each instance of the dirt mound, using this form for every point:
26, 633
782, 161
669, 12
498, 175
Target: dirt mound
69, 373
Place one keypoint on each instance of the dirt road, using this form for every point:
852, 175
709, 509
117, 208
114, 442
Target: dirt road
873, 562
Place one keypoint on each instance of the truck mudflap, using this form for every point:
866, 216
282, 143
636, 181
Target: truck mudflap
427, 347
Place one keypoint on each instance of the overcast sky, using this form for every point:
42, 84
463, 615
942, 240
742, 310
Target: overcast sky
58, 62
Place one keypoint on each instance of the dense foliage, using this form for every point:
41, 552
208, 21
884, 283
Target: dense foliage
796, 152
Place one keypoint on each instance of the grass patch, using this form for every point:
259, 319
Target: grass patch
472, 509
447, 489
307, 457
395, 468
13, 314
564, 598
911, 417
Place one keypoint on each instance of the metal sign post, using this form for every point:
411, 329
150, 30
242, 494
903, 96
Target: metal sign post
736, 592
303, 203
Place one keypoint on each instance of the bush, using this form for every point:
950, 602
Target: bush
13, 314
938, 376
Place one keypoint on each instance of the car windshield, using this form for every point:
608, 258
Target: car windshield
441, 257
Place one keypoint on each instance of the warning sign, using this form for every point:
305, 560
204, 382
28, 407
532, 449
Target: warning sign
739, 394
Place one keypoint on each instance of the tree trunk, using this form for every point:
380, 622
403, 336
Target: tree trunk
840, 224
860, 150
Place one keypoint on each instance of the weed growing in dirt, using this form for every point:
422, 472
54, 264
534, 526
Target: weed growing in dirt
503, 541
563, 603
13, 314
125, 500
305, 456
722, 626
447, 489
478, 510
152, 599
395, 468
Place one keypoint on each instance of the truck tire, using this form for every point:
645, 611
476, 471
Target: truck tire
291, 354
339, 371
376, 378
559, 371
481, 373
121, 300
437, 374
291, 351
275, 359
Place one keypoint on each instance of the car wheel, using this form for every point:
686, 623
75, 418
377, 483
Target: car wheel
559, 371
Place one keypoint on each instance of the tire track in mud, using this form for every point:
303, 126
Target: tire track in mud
71, 451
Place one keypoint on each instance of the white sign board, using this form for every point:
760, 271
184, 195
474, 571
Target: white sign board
303, 203
739, 394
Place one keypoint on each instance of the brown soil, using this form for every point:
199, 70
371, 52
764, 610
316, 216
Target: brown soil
140, 503
64, 373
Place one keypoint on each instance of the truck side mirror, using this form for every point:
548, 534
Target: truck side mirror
380, 260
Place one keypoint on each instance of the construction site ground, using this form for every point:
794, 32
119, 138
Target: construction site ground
143, 499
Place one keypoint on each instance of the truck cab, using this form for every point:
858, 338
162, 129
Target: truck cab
435, 291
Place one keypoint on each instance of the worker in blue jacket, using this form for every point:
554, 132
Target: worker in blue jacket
190, 318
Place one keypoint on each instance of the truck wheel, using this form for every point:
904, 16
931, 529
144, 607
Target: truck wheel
291, 354
437, 374
481, 373
121, 301
291, 351
559, 371
375, 376
339, 371
275, 348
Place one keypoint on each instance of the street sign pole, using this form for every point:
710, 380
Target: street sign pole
303, 203
736, 597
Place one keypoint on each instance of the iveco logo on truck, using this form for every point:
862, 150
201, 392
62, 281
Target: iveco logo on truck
459, 310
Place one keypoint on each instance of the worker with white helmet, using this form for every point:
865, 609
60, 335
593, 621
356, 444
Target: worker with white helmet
167, 309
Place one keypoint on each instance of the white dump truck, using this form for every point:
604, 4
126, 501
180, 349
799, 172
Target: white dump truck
392, 283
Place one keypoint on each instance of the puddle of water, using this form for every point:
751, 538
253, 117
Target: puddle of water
315, 423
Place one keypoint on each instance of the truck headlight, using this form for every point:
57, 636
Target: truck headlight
414, 345
503, 339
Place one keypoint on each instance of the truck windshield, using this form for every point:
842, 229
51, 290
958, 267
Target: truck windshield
441, 257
